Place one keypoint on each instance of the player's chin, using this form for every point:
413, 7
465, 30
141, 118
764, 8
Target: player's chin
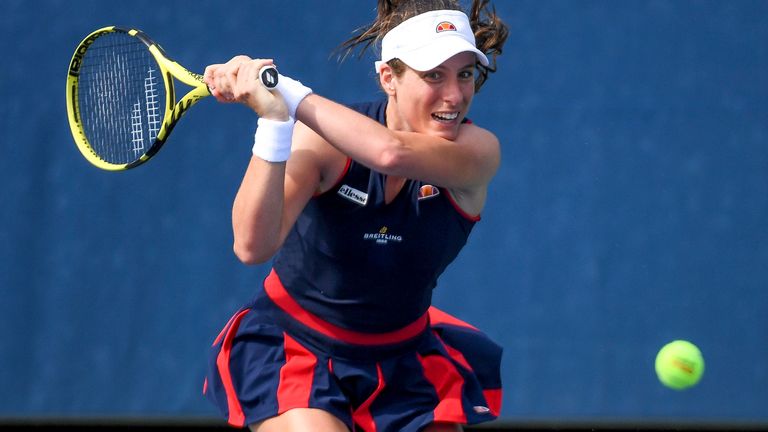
449, 131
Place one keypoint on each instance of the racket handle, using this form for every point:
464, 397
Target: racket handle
268, 76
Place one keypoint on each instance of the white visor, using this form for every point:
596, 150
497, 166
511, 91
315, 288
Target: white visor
427, 40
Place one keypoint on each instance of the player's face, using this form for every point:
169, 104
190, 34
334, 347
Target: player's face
435, 102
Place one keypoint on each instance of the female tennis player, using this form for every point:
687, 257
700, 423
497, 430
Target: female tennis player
361, 209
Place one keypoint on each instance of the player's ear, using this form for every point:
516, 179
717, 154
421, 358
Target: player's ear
386, 79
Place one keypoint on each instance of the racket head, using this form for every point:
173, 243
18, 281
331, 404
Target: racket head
119, 97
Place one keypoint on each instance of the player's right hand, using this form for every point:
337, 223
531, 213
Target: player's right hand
238, 81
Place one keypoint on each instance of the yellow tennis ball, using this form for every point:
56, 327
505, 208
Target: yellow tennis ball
679, 365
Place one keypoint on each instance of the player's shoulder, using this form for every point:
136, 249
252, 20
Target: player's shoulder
477, 135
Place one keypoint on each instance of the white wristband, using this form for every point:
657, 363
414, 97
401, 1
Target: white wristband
293, 92
272, 141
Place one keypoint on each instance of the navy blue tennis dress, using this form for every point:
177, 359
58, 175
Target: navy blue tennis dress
344, 323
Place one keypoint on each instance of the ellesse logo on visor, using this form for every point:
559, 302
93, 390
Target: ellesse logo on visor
445, 26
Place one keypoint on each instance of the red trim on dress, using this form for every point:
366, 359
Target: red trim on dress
338, 180
449, 385
436, 316
461, 211
284, 301
296, 376
455, 354
493, 399
362, 415
224, 330
236, 417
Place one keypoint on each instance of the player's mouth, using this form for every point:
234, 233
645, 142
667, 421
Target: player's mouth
445, 117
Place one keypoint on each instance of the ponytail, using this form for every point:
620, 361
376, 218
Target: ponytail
365, 36
490, 34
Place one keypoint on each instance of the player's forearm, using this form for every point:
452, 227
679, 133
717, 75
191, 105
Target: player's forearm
258, 211
345, 129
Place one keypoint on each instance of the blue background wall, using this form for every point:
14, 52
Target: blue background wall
630, 209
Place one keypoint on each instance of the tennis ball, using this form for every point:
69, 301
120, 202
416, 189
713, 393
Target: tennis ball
679, 365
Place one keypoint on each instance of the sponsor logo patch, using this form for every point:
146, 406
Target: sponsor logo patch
383, 236
481, 409
428, 191
445, 26
352, 194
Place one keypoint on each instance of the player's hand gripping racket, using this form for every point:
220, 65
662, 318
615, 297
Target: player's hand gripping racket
121, 99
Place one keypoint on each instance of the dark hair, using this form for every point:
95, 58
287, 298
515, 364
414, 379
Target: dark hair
490, 31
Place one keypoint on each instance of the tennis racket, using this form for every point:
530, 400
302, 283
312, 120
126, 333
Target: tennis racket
121, 99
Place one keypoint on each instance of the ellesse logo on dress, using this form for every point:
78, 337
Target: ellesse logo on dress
428, 191
352, 194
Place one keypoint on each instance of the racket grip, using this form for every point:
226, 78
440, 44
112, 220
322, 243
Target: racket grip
268, 76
